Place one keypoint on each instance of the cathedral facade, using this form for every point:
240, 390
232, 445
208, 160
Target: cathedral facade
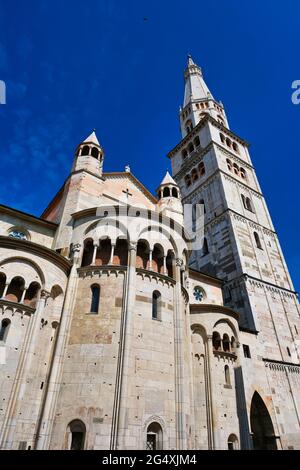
119, 332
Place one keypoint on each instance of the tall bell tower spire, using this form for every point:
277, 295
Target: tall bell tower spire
198, 100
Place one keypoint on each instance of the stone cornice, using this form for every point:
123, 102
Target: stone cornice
88, 271
261, 283
16, 306
154, 274
36, 249
213, 308
193, 273
196, 129
281, 365
28, 217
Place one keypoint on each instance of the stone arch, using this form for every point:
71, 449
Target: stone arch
229, 323
76, 433
263, 435
32, 264
160, 421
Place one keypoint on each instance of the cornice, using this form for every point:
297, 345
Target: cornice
16, 307
261, 283
27, 217
201, 124
193, 273
213, 308
36, 249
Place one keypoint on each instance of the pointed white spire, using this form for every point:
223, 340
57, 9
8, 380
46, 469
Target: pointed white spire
168, 180
92, 138
195, 86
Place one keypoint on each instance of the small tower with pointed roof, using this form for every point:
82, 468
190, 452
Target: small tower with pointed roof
169, 199
198, 100
89, 155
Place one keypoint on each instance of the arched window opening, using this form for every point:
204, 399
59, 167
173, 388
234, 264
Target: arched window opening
15, 289
5, 324
197, 141
263, 435
236, 169
226, 343
191, 147
104, 252
95, 291
121, 252
228, 142
156, 305
244, 200
174, 192
257, 240
77, 430
166, 192
2, 283
235, 147
154, 437
233, 443
187, 180
248, 204
184, 154
194, 174
205, 249
201, 168
233, 343
88, 250
227, 375
95, 152
32, 294
243, 173
85, 150
169, 263
158, 259
229, 164
216, 341
288, 351
222, 137
142, 255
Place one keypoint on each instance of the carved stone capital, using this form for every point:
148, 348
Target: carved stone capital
179, 262
45, 294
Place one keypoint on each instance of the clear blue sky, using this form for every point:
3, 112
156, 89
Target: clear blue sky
71, 66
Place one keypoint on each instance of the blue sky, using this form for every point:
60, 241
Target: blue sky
118, 66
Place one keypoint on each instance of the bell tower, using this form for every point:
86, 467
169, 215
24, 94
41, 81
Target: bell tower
89, 155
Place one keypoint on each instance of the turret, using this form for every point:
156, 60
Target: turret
169, 199
89, 155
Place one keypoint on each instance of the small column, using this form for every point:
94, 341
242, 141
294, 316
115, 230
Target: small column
165, 265
211, 414
150, 259
95, 253
23, 295
111, 260
5, 291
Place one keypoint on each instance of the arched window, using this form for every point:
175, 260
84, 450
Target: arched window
257, 240
227, 375
15, 289
235, 147
142, 254
156, 314
158, 258
201, 168
85, 150
248, 204
226, 343
197, 141
187, 180
2, 283
205, 249
5, 324
229, 164
216, 341
243, 173
95, 152
32, 293
154, 437
87, 256
121, 252
104, 252
236, 169
169, 263
184, 154
222, 137
233, 443
95, 291
233, 343
228, 142
194, 174
166, 192
191, 148
174, 192
244, 200
77, 431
